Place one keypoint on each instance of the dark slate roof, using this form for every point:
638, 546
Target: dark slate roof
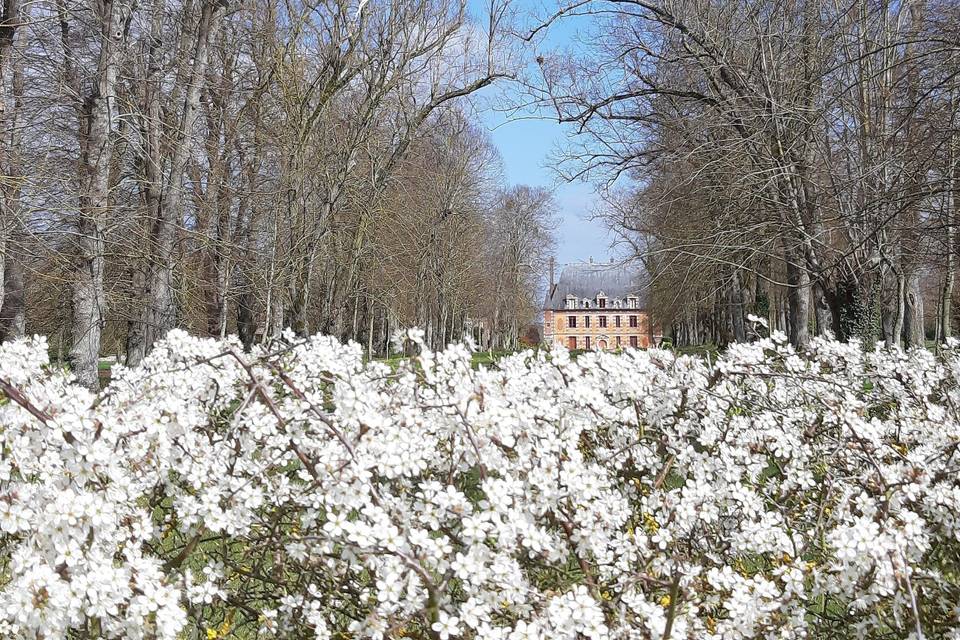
586, 280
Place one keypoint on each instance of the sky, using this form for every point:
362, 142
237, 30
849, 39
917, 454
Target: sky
525, 145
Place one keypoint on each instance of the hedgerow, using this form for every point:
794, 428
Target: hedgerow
300, 491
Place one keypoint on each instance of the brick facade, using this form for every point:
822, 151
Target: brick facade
557, 328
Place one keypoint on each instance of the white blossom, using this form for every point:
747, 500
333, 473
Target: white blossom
306, 492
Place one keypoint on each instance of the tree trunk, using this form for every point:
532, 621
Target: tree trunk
96, 154
160, 310
369, 331
798, 298
945, 319
946, 293
888, 315
301, 285
242, 270
137, 334
900, 311
826, 319
913, 333
11, 103
736, 309
13, 317
4, 242
276, 321
219, 194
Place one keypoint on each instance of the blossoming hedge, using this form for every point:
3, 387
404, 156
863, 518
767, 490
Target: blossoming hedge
301, 492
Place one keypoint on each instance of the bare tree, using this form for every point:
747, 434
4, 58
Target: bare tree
159, 311
96, 112
12, 43
246, 168
521, 243
804, 133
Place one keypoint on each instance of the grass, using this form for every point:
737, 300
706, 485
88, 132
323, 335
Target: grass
486, 358
489, 359
703, 350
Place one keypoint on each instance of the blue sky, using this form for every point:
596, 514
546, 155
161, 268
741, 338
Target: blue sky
526, 144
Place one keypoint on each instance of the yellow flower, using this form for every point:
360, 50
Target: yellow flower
665, 601
211, 634
650, 523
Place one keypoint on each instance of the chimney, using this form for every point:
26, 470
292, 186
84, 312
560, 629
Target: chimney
591, 259
550, 290
611, 259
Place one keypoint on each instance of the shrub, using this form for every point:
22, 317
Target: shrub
300, 491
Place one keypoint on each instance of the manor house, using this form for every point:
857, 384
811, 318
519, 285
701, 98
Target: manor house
598, 306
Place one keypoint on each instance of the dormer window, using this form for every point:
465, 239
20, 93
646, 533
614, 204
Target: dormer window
601, 300
571, 302
586, 304
632, 302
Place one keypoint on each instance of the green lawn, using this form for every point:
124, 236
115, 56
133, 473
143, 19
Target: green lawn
486, 358
703, 350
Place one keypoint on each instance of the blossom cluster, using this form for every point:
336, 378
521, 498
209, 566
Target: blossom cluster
300, 490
